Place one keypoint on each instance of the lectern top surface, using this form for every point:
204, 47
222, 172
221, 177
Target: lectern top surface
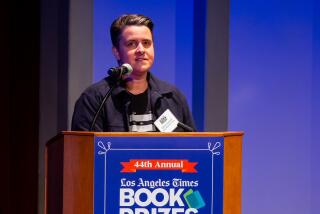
157, 134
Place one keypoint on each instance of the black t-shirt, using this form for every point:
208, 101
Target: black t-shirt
140, 115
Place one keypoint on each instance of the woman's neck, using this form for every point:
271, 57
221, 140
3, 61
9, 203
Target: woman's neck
137, 84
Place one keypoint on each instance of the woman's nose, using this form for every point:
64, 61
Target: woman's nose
140, 48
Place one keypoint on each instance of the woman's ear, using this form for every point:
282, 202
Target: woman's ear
116, 53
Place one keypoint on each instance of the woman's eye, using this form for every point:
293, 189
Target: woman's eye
146, 43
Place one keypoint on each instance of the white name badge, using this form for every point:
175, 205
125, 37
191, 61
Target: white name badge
167, 122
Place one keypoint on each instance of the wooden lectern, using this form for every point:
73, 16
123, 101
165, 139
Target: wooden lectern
69, 173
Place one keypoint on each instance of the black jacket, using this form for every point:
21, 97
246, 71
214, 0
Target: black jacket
114, 114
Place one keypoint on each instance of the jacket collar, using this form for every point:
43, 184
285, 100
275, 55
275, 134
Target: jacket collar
158, 85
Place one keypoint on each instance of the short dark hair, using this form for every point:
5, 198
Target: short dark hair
127, 20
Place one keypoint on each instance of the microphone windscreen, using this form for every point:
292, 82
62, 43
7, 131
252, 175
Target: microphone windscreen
128, 67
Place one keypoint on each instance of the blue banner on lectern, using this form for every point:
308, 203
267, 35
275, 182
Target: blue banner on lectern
158, 175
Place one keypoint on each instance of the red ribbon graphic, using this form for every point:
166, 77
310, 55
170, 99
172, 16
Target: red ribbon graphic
146, 164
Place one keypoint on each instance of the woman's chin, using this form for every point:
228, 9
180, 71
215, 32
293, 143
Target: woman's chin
139, 72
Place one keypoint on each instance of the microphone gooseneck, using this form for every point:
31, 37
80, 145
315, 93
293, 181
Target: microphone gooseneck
117, 73
185, 127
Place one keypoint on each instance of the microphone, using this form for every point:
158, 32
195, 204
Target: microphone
121, 70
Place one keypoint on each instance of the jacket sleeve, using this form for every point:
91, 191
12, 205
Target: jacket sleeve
84, 111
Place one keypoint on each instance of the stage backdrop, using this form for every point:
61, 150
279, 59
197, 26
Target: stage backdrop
274, 96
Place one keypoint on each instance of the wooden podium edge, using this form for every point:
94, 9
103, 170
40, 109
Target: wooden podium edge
71, 157
232, 176
157, 134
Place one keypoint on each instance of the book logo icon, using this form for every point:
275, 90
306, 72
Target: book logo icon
194, 199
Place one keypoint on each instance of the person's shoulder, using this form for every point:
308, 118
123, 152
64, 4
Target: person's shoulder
95, 91
97, 88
